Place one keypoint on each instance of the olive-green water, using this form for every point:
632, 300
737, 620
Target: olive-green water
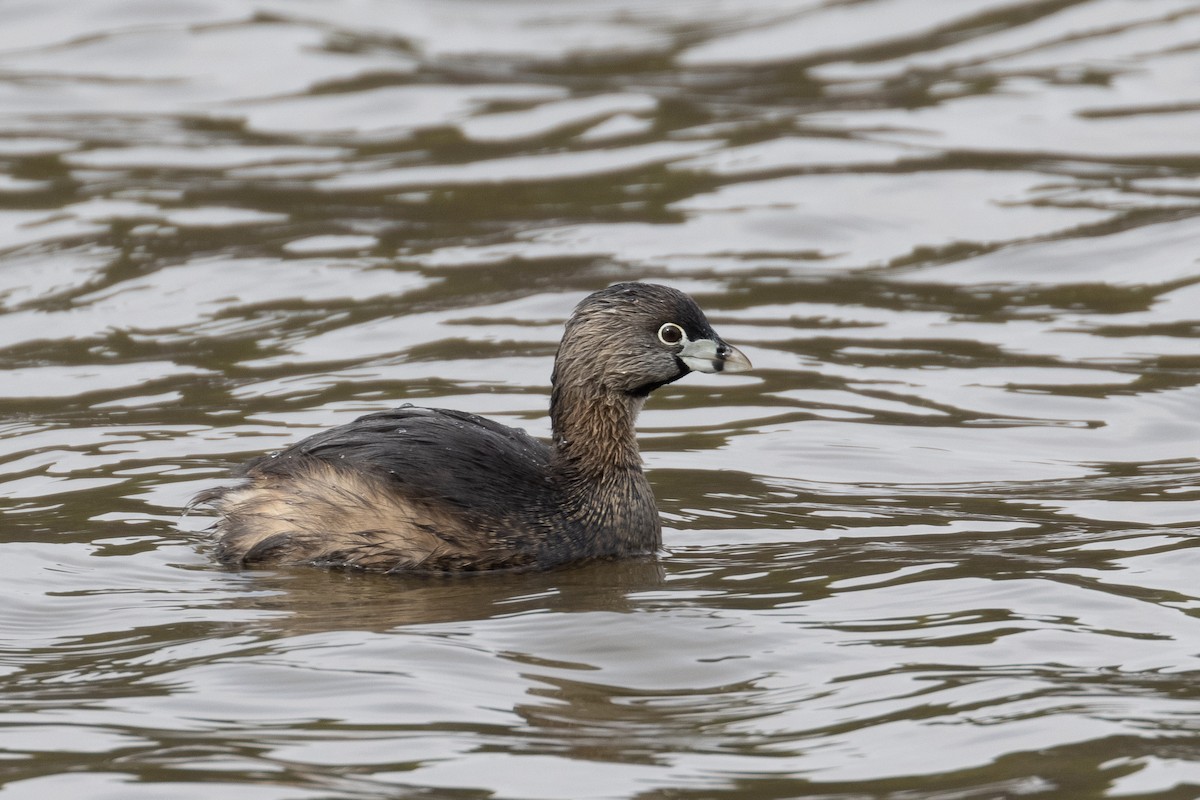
941, 543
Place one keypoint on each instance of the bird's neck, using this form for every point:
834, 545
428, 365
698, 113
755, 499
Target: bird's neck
594, 434
596, 459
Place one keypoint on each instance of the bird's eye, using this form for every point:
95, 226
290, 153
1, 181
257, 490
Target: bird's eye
670, 333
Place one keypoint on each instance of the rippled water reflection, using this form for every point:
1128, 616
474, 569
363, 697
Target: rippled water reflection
941, 543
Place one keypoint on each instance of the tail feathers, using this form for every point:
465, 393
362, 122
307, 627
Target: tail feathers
331, 517
208, 497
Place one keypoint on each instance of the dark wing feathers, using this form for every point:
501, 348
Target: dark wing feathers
429, 452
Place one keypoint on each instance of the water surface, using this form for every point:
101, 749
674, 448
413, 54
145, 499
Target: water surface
940, 543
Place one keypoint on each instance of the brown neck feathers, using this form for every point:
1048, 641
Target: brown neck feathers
594, 429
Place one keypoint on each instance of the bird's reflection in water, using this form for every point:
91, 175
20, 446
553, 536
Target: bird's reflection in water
310, 601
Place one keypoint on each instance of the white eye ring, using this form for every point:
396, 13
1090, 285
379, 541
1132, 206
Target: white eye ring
671, 334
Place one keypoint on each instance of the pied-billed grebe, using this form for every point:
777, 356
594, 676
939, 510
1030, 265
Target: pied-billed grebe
431, 490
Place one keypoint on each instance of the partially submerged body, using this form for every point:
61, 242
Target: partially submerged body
417, 489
